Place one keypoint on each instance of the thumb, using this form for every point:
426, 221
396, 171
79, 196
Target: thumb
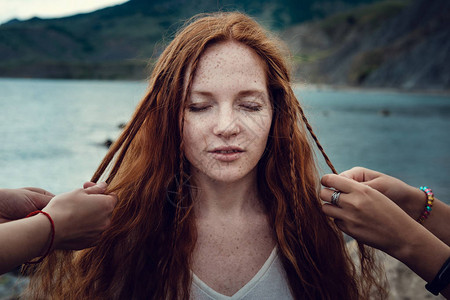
88, 184
99, 188
39, 191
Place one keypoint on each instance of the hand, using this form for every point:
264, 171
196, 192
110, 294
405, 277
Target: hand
367, 215
81, 216
409, 198
17, 203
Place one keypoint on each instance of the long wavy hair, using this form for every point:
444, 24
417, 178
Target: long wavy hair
146, 253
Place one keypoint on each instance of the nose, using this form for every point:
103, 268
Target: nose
226, 124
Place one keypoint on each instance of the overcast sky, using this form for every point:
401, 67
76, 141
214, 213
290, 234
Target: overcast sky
25, 9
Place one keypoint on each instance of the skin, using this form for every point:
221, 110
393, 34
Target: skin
228, 106
372, 218
17, 203
79, 217
409, 198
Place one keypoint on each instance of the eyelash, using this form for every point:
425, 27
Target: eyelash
193, 108
252, 107
247, 107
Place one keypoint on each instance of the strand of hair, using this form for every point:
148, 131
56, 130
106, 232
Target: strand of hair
313, 135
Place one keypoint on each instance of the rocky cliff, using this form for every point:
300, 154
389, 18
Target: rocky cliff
398, 44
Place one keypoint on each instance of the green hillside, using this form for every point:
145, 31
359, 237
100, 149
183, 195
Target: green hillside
390, 43
116, 42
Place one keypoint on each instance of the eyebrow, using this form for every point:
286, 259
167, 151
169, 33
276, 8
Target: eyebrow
244, 93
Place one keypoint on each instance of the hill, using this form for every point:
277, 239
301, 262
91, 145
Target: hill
385, 43
116, 42
398, 44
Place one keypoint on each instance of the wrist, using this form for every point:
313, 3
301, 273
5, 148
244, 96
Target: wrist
60, 219
38, 216
414, 202
46, 228
412, 243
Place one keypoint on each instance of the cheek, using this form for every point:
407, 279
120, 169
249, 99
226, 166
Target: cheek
194, 133
188, 136
189, 143
259, 126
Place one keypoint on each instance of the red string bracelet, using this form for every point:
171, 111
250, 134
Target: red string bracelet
51, 239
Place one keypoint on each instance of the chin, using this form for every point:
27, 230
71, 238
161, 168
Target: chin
225, 175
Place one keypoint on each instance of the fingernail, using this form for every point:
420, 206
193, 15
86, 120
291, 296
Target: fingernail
102, 185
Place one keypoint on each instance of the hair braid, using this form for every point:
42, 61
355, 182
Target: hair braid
292, 168
122, 144
313, 135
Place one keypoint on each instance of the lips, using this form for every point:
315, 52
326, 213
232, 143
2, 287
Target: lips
226, 153
226, 149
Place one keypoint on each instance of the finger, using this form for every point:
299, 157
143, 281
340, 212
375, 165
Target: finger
38, 197
40, 201
88, 184
360, 174
99, 188
326, 195
39, 191
115, 199
339, 182
332, 211
112, 200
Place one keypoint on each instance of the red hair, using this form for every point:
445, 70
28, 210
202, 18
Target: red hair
146, 252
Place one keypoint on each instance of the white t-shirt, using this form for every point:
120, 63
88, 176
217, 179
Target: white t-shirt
269, 283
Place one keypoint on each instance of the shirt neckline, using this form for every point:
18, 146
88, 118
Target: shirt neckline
243, 290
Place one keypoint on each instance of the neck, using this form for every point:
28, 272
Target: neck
227, 199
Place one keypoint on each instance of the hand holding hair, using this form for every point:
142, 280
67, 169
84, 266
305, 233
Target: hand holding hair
371, 218
73, 220
411, 199
367, 215
81, 216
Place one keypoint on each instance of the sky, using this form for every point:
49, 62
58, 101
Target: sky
25, 9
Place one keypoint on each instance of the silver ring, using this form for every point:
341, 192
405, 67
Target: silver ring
335, 198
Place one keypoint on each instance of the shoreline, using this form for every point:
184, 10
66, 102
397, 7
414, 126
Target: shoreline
296, 86
347, 88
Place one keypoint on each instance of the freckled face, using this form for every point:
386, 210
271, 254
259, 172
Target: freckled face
228, 114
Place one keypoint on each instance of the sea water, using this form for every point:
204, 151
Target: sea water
52, 131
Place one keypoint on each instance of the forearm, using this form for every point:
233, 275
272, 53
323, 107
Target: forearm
438, 222
22, 240
424, 254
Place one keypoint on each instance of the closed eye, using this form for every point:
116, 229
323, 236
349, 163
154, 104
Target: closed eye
198, 108
251, 106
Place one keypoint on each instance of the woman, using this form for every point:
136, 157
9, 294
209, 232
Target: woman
215, 177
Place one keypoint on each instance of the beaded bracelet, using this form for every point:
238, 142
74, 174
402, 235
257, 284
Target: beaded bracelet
51, 239
428, 205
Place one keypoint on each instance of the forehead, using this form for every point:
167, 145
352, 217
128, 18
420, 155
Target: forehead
230, 62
